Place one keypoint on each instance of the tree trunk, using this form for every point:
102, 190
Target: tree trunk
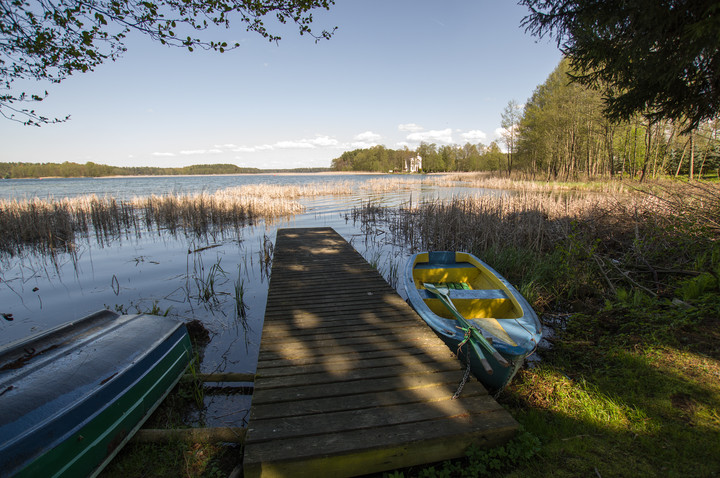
692, 155
677, 173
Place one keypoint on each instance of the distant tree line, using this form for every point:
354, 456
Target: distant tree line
93, 170
470, 157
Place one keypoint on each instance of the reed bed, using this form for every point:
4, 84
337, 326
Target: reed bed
493, 181
597, 243
332, 188
532, 221
381, 185
200, 213
51, 226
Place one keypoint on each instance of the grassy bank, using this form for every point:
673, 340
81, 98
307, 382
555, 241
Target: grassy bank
631, 383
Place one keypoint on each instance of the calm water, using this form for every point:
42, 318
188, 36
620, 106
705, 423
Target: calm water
169, 272
126, 188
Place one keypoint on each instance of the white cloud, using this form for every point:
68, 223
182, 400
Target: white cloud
474, 136
293, 145
499, 132
439, 136
200, 151
323, 141
317, 142
367, 137
412, 127
243, 149
362, 144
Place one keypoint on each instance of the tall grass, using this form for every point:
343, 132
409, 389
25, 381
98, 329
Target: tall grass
565, 246
525, 183
51, 226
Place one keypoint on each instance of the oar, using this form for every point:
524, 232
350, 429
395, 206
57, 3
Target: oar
442, 294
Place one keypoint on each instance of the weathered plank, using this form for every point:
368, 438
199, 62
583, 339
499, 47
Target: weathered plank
349, 380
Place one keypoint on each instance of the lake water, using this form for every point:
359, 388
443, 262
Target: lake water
170, 271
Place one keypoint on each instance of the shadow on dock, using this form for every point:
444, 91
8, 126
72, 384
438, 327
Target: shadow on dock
350, 381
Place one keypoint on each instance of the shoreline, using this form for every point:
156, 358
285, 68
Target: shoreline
323, 173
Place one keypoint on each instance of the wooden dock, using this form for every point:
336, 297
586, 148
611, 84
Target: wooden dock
350, 381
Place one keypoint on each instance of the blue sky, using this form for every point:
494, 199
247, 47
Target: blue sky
396, 72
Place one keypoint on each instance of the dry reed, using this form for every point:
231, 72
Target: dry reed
627, 238
333, 188
381, 185
527, 220
52, 226
492, 181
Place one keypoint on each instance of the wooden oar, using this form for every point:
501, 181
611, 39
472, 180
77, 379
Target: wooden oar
442, 294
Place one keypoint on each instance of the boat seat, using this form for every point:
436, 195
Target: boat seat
482, 294
454, 265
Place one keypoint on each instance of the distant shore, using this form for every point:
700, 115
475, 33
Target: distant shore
287, 173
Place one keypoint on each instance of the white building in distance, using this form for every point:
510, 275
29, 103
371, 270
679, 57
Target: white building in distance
414, 164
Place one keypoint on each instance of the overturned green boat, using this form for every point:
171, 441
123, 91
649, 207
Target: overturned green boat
71, 397
475, 311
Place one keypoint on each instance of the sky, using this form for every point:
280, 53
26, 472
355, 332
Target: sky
395, 73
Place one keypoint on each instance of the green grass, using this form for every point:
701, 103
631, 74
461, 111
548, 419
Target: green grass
625, 391
175, 459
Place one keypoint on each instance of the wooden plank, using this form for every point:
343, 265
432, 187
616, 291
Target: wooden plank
367, 418
348, 366
264, 395
270, 362
366, 451
432, 392
349, 380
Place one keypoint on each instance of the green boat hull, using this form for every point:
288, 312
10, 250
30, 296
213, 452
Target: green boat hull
77, 431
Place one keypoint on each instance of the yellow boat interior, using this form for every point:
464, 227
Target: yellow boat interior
475, 291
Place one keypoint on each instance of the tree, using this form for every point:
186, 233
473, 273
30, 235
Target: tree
510, 119
51, 40
660, 59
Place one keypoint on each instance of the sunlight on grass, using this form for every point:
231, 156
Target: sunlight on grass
579, 400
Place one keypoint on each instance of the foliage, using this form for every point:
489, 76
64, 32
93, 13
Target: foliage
661, 59
90, 169
49, 41
563, 134
510, 119
377, 158
469, 157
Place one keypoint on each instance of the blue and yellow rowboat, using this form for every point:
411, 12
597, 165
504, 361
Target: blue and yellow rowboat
475, 311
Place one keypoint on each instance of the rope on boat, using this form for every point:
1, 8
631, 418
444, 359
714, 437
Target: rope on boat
468, 336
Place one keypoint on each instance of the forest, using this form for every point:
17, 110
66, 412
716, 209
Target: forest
94, 170
562, 134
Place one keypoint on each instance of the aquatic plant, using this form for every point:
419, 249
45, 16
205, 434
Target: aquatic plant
265, 253
51, 226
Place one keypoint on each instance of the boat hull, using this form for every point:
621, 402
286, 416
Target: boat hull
487, 300
73, 396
